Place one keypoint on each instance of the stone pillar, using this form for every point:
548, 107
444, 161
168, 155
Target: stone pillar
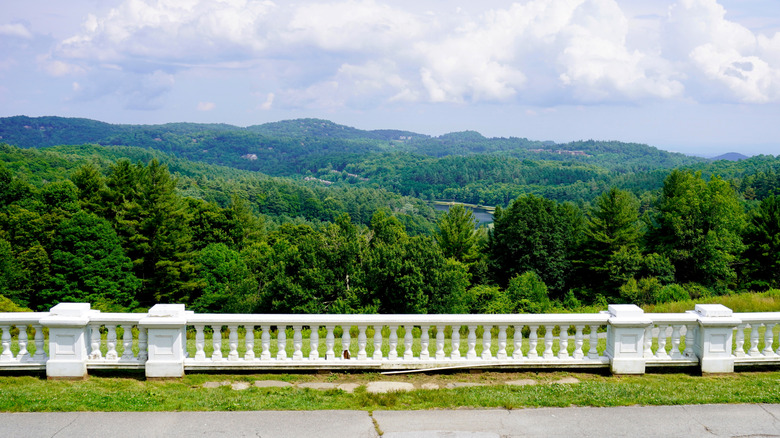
167, 340
67, 323
713, 343
626, 338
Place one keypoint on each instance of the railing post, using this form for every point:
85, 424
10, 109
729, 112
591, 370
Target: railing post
167, 340
713, 343
626, 338
67, 323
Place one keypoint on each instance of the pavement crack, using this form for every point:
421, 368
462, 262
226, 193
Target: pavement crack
75, 417
710, 431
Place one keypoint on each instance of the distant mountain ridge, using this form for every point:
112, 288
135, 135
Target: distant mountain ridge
303, 147
730, 156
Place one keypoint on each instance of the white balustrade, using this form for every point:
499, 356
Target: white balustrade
230, 341
673, 336
761, 331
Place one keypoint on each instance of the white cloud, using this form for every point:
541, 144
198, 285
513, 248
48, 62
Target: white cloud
268, 103
16, 30
725, 60
171, 31
206, 106
364, 53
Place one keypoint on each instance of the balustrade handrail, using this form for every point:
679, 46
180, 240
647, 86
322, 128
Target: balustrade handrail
397, 319
670, 318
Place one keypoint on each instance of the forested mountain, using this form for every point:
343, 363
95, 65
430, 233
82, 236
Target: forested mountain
462, 166
126, 216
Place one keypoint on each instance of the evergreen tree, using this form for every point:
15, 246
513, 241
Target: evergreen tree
763, 245
456, 235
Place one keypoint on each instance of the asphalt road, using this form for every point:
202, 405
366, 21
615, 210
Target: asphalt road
631, 422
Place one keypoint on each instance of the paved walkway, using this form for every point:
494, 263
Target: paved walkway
629, 422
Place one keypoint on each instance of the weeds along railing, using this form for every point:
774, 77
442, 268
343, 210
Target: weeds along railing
72, 339
395, 341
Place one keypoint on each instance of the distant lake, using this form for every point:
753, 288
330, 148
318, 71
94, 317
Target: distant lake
481, 214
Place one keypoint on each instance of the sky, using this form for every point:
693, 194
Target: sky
700, 77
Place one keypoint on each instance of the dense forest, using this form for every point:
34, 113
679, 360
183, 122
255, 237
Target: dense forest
309, 216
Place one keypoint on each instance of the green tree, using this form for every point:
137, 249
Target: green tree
763, 245
89, 265
698, 226
535, 234
528, 293
612, 225
456, 235
227, 284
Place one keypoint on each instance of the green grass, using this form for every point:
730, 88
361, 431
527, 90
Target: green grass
32, 394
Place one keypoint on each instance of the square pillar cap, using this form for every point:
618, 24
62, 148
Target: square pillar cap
627, 315
713, 310
167, 310
625, 310
70, 309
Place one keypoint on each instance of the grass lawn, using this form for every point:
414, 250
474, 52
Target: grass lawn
133, 393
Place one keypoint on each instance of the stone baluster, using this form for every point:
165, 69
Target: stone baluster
753, 351
455, 343
676, 354
440, 342
740, 347
94, 343
265, 342
249, 342
648, 344
563, 342
362, 341
143, 345
548, 342
472, 343
111, 353
690, 341
297, 343
533, 340
593, 348
501, 354
487, 341
200, 343
578, 341
424, 341
6, 355
346, 342
314, 342
661, 352
769, 339
281, 342
23, 355
127, 342
330, 342
517, 338
40, 353
216, 343
392, 354
408, 341
233, 342
377, 343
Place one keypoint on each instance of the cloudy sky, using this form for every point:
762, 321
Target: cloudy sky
696, 76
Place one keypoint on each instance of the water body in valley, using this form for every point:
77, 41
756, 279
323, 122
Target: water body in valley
483, 215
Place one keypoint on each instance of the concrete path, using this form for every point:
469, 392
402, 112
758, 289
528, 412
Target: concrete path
629, 422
